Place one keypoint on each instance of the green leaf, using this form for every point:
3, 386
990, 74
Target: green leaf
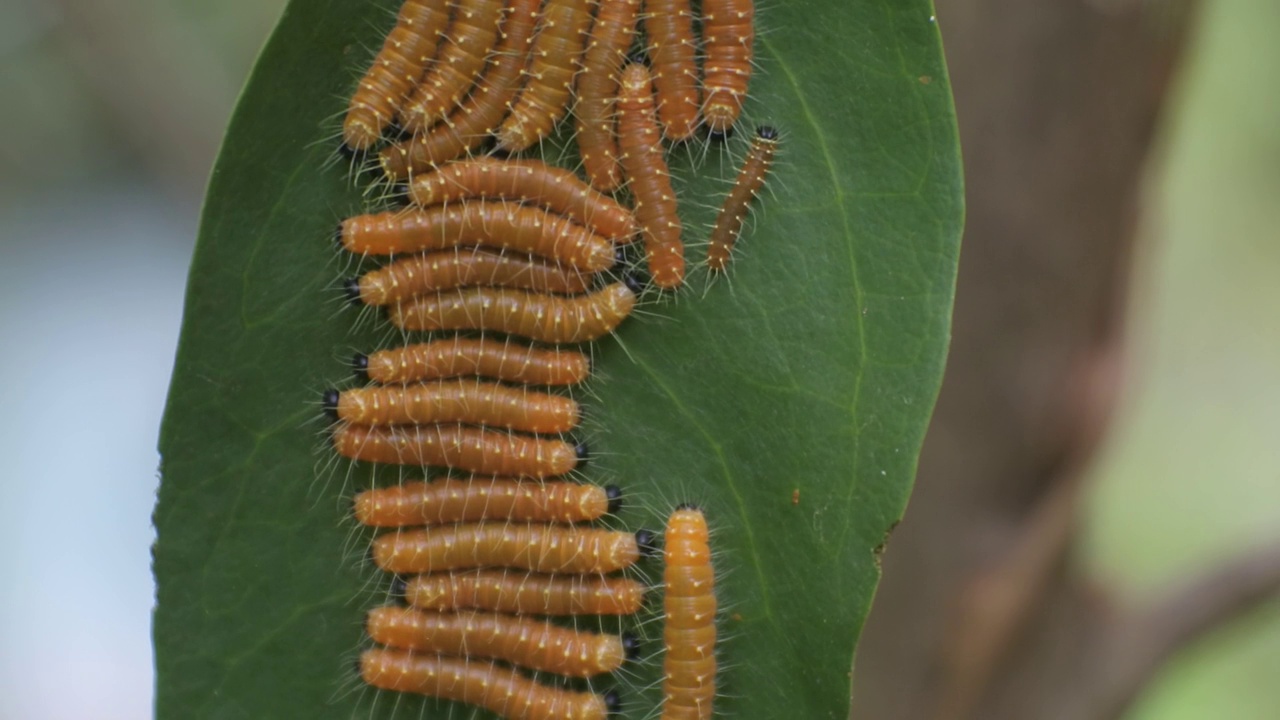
813, 371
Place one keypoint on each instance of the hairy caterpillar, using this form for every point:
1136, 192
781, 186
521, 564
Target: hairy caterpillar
454, 356
445, 401
525, 593
645, 166
496, 688
689, 630
471, 37
459, 267
673, 51
382, 91
734, 211
531, 181
469, 125
544, 318
521, 641
454, 500
538, 547
728, 37
502, 225
457, 446
557, 56
597, 87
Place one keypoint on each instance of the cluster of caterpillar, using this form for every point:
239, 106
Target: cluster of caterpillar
496, 247
480, 563
505, 262
454, 75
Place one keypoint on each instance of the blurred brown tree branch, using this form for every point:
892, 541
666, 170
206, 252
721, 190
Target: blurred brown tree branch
979, 614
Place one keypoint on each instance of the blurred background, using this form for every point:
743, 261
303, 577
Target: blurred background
112, 115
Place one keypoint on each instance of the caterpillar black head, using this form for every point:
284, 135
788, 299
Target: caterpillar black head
398, 587
647, 541
330, 403
360, 366
614, 494
631, 646
720, 135
351, 288
633, 283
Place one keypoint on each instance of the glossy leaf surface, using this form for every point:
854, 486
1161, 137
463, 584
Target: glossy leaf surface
789, 402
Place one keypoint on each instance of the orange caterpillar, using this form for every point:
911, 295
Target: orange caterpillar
470, 449
531, 181
557, 56
728, 35
645, 166
526, 593
673, 51
382, 91
689, 630
544, 318
521, 641
539, 547
470, 38
460, 267
734, 211
499, 689
455, 356
454, 500
470, 124
611, 37
502, 225
447, 401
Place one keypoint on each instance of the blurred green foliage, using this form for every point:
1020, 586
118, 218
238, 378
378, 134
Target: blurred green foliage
127, 87
1192, 472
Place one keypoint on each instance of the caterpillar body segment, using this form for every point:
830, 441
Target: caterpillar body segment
733, 213
525, 593
521, 641
456, 401
470, 39
728, 34
536, 547
455, 500
543, 318
456, 356
470, 449
596, 109
499, 689
645, 166
493, 224
480, 113
689, 631
530, 181
673, 53
395, 71
424, 273
557, 57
